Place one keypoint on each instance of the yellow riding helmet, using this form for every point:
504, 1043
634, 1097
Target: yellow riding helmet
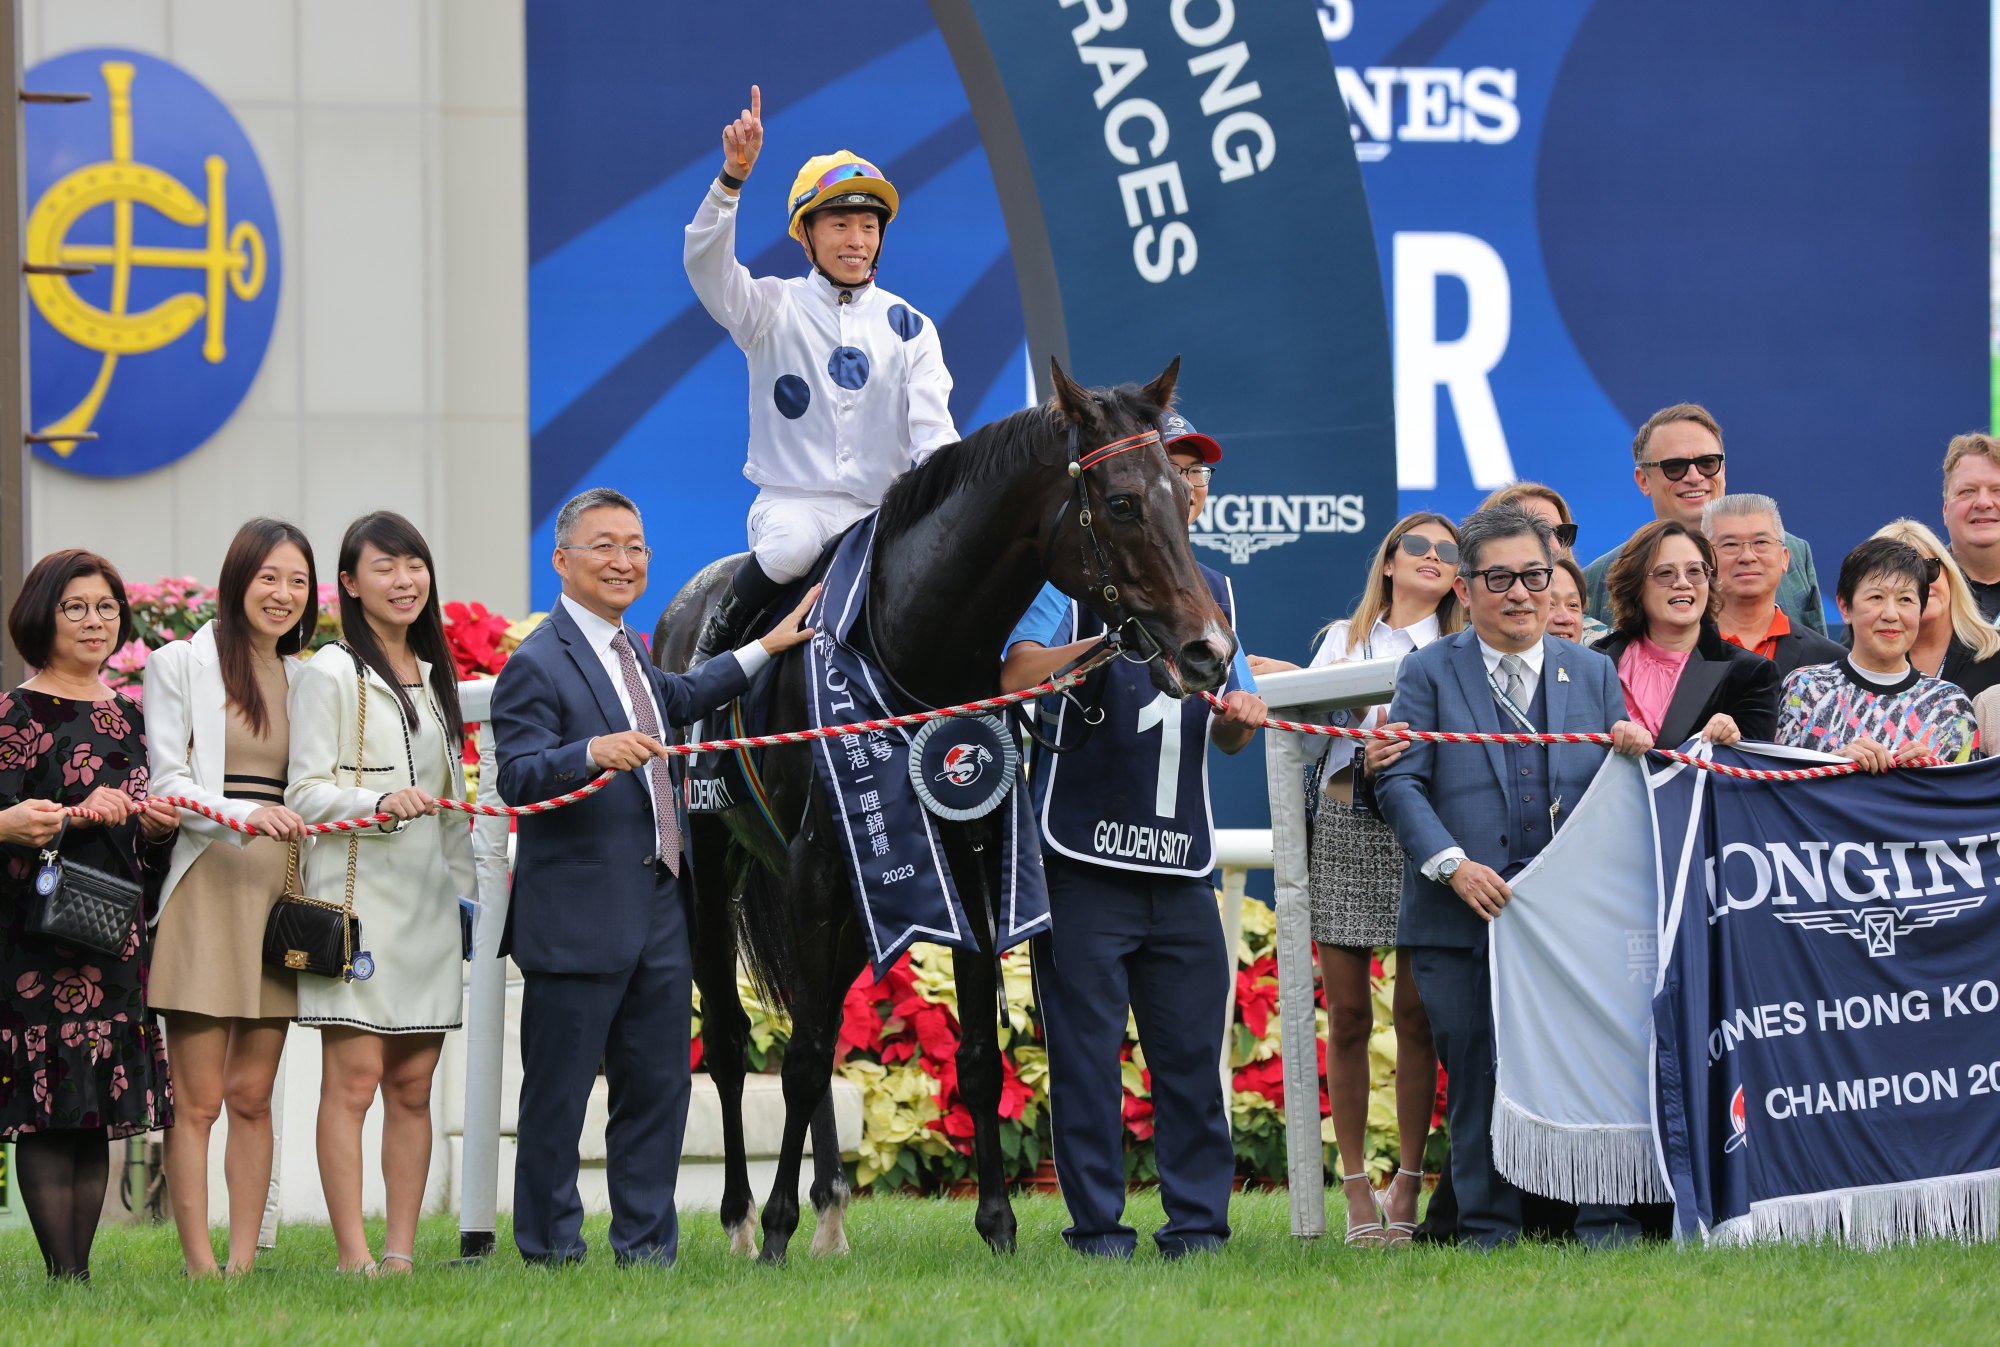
840, 179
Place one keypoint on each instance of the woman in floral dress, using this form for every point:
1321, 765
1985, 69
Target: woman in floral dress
81, 1061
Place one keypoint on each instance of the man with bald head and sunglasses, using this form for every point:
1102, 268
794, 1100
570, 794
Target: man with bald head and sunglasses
1678, 463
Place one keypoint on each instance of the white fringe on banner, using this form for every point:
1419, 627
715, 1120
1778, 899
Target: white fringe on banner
1576, 1162
1964, 1207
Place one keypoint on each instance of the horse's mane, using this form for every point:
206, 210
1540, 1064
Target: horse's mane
987, 455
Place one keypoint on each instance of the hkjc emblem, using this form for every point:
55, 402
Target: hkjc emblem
963, 768
150, 209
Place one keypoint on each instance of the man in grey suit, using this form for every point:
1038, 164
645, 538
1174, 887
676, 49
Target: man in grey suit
1469, 818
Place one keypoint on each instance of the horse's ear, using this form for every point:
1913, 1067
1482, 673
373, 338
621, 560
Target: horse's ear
1071, 397
1160, 392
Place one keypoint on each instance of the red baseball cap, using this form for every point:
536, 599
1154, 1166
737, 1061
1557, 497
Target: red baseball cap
1180, 433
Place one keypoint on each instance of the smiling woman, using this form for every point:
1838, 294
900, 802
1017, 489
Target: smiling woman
1680, 677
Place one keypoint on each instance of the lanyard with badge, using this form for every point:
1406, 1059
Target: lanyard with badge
1520, 718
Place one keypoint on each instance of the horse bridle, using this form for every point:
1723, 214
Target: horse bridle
1137, 643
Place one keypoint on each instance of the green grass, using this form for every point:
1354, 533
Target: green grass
919, 1276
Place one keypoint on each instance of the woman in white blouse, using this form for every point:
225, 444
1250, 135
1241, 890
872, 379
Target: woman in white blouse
383, 1027
1356, 877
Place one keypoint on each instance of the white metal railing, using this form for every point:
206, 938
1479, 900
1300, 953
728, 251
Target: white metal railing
1306, 695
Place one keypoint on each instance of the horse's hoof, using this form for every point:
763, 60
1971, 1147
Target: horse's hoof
1001, 1241
773, 1253
743, 1237
997, 1229
830, 1234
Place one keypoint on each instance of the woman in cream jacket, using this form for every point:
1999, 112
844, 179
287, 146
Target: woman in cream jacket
382, 1028
216, 706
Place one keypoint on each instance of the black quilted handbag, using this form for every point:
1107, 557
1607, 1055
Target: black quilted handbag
81, 906
306, 935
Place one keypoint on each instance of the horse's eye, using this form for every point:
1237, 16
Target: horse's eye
1122, 508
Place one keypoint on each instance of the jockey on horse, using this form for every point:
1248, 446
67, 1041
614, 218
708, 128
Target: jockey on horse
848, 387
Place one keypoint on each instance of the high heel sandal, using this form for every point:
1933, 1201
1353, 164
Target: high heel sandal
1399, 1233
1371, 1236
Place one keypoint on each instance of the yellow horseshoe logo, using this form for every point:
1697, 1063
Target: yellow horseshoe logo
234, 258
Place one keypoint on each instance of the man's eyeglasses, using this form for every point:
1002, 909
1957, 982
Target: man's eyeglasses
1759, 546
1417, 545
1197, 475
1499, 579
1696, 573
606, 551
76, 610
1565, 534
1676, 468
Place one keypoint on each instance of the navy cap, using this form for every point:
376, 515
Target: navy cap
1181, 434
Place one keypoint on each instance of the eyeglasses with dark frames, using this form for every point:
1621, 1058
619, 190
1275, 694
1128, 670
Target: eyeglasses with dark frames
76, 610
1676, 468
606, 551
1499, 579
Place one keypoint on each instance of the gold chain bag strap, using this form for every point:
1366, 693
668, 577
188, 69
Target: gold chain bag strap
310, 935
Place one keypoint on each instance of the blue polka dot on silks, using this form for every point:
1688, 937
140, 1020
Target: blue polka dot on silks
792, 396
906, 322
848, 367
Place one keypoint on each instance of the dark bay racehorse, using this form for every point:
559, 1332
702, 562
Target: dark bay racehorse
963, 543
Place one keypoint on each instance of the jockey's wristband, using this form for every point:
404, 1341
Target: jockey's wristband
729, 180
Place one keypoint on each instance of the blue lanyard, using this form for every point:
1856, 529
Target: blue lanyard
1507, 704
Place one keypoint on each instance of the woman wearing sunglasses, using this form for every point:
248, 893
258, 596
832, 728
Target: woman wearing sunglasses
1356, 875
1681, 679
1953, 641
1548, 503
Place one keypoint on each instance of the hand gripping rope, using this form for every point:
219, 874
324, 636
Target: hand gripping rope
1057, 684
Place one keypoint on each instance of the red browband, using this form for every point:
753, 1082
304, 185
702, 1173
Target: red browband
1116, 447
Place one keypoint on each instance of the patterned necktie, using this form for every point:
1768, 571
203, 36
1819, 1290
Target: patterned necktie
1513, 678
647, 723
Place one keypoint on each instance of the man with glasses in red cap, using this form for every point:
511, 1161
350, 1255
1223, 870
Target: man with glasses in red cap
848, 386
1677, 461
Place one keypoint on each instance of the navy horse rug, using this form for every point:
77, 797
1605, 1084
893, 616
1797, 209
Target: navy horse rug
963, 768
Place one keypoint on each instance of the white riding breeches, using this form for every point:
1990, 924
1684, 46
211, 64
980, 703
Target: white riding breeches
788, 532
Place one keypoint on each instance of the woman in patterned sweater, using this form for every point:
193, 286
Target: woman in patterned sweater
1873, 706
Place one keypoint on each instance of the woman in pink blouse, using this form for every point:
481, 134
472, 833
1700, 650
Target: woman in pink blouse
1681, 679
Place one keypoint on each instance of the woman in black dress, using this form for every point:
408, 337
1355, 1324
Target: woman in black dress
81, 1061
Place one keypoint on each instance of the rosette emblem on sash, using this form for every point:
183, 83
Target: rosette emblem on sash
963, 768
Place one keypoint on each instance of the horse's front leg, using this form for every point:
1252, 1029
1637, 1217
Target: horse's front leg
977, 973
829, 1191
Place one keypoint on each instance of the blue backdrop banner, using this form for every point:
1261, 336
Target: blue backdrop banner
1828, 1020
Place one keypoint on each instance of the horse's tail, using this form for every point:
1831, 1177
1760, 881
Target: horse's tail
764, 936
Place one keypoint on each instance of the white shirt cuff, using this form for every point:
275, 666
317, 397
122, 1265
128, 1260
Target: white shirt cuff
752, 658
1430, 867
721, 198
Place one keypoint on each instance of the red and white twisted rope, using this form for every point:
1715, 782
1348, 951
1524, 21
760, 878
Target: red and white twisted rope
1599, 738
971, 708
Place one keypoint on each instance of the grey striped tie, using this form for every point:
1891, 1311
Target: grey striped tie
1514, 679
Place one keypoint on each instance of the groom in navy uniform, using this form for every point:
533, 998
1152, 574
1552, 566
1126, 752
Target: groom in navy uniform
1133, 927
600, 922
1470, 818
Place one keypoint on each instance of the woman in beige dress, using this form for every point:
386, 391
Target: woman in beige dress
376, 729
216, 706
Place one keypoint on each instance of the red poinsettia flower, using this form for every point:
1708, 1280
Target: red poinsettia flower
1266, 1078
474, 637
694, 1053
1014, 1096
1257, 994
1138, 1113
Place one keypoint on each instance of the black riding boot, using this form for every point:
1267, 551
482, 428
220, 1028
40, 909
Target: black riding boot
749, 590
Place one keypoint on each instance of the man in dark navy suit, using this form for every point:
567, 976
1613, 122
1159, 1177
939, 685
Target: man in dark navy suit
600, 922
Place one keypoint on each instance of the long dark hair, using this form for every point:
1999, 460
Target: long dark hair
398, 537
254, 542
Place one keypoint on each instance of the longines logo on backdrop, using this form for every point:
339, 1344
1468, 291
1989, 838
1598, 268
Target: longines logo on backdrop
1243, 526
152, 202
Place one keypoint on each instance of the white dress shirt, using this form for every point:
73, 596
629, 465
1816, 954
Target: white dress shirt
1340, 647
1531, 683
600, 633
845, 440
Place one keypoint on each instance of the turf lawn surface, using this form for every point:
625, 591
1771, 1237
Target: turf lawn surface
918, 1275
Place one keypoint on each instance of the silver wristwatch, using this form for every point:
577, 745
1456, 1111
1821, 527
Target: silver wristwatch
1448, 867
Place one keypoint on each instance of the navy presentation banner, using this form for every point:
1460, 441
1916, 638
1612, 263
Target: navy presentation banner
1828, 1019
